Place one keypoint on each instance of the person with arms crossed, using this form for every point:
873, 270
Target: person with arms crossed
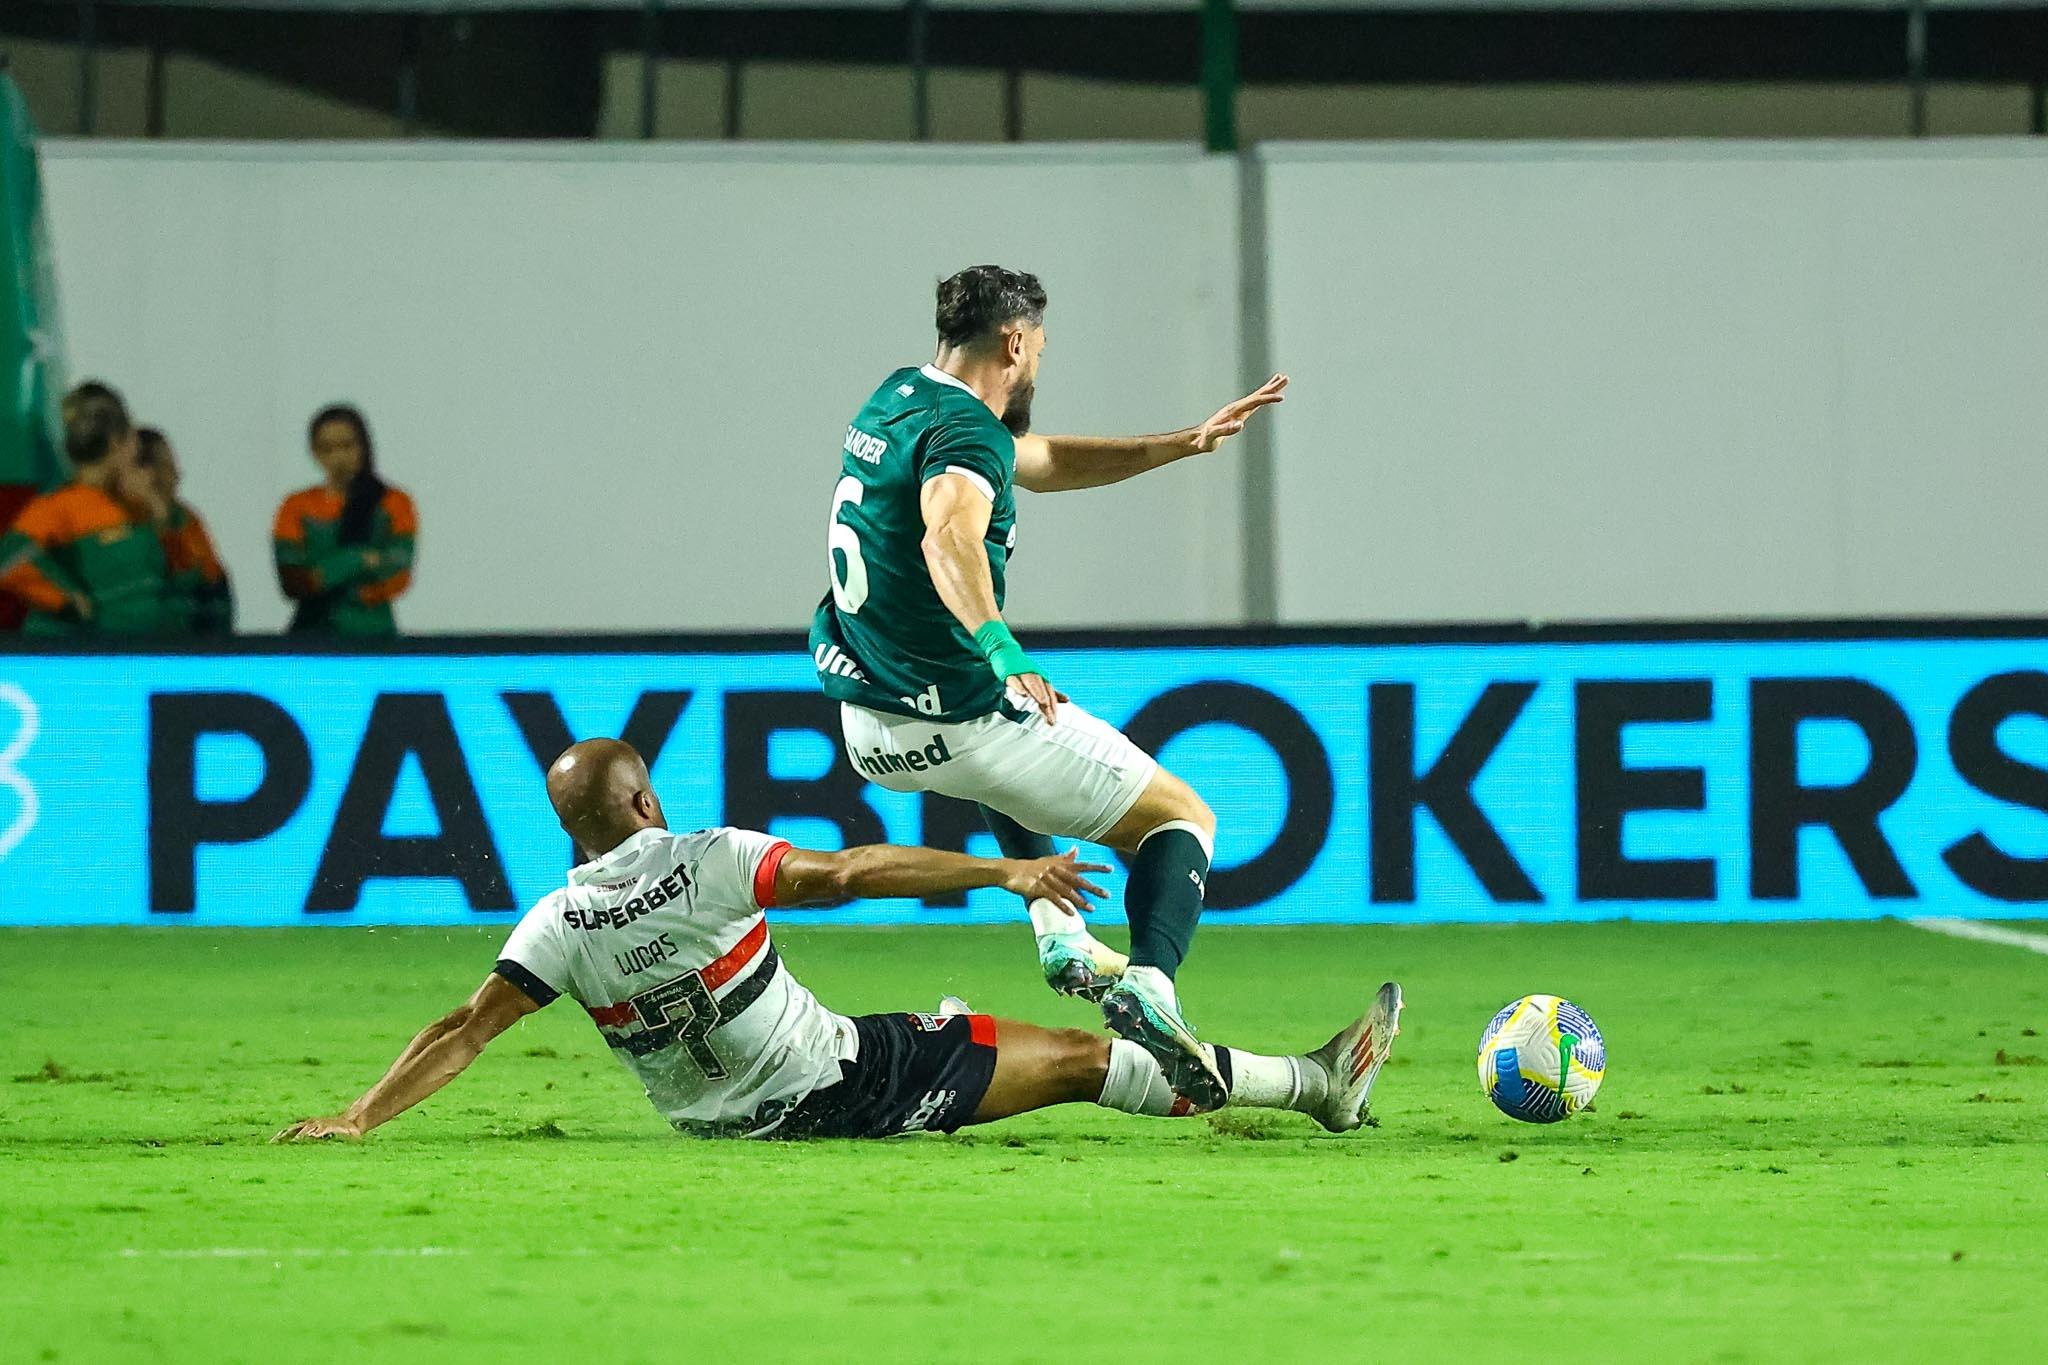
662, 939
935, 692
345, 547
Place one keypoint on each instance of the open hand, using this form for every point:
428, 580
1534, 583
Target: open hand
316, 1130
1231, 417
1042, 693
1061, 879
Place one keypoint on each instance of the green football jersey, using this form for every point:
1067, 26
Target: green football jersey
882, 638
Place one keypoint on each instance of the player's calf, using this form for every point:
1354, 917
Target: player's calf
1170, 834
1172, 831
1037, 1068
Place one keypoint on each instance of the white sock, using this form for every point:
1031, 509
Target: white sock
1260, 1082
1047, 918
1159, 983
1136, 1085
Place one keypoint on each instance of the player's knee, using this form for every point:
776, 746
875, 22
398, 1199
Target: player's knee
1183, 805
1192, 814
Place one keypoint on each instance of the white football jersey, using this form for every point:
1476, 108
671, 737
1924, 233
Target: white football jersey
663, 941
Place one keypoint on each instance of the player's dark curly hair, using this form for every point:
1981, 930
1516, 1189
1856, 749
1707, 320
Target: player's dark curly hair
975, 303
94, 418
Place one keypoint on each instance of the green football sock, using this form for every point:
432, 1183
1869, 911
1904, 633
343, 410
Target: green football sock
1169, 877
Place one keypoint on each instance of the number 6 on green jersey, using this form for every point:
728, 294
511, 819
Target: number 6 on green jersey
850, 591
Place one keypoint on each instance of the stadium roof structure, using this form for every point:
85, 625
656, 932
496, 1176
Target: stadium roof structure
542, 56
1075, 6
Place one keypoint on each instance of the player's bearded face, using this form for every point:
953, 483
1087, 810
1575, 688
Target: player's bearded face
1017, 412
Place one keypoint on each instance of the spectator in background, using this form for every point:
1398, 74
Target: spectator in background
344, 548
86, 556
200, 597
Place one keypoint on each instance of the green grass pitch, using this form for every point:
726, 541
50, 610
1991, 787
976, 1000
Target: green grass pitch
1815, 1143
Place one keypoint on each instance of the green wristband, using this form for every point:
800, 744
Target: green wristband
1005, 656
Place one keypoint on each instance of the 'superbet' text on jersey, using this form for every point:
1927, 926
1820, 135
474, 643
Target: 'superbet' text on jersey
882, 638
664, 943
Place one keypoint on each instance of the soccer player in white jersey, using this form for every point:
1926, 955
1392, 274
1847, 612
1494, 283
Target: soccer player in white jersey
936, 694
662, 939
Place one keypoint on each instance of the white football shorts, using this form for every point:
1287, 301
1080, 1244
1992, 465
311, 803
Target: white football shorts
1072, 780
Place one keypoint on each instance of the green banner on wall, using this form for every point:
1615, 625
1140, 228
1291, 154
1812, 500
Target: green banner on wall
31, 340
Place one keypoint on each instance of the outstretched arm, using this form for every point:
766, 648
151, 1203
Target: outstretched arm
1058, 464
440, 1053
808, 878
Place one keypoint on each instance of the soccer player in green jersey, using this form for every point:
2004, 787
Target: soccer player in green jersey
937, 695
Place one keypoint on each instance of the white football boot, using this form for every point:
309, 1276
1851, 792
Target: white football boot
1352, 1060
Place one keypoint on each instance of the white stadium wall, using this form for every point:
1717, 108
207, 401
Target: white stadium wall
1532, 381
1660, 380
616, 379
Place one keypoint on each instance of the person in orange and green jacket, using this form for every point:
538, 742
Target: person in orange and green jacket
86, 557
345, 547
201, 598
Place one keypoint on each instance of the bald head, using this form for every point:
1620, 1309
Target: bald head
602, 795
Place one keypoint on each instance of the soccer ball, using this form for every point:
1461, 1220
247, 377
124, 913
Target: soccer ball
1541, 1059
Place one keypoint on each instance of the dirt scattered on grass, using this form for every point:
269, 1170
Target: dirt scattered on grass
418, 1210
51, 1073
1628, 1116
1886, 1063
542, 1052
2005, 1058
1986, 1097
546, 1128
1510, 1155
1776, 1170
2028, 1033
117, 1208
1245, 1126
310, 1061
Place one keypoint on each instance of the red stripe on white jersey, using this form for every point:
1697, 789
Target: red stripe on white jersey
740, 954
764, 875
